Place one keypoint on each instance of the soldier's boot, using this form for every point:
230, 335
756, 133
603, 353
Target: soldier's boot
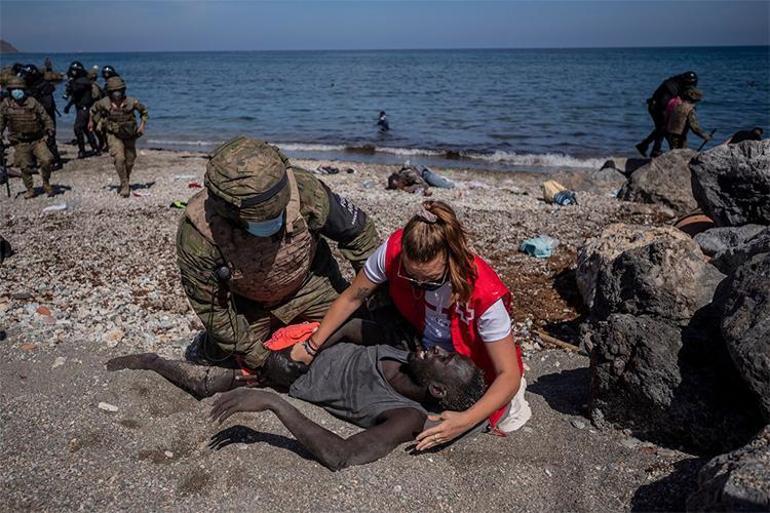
47, 188
26, 177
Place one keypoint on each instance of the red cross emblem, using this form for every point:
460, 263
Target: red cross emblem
465, 314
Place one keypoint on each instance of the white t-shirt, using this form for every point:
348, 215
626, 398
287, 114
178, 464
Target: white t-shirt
493, 325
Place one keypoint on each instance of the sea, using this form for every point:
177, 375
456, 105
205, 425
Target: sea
512, 109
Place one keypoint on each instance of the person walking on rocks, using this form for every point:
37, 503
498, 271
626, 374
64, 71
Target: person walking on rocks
683, 119
250, 251
656, 106
29, 126
117, 114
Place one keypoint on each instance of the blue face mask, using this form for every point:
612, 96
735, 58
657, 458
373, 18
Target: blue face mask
17, 94
265, 228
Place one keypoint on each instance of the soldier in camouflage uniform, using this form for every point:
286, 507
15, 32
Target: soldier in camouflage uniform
683, 119
116, 113
29, 126
250, 250
97, 94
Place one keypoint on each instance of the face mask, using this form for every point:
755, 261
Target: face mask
116, 95
265, 228
17, 94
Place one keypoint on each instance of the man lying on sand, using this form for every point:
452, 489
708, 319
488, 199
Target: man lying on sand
385, 390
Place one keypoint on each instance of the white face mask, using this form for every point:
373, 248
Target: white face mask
265, 228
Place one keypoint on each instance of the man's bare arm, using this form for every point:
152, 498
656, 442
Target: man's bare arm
332, 451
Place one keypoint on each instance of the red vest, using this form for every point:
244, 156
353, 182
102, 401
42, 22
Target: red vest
487, 289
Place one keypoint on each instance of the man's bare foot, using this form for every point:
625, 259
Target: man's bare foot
132, 361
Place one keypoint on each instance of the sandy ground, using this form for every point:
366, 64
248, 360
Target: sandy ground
98, 279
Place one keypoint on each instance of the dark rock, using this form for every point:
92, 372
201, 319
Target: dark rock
731, 183
667, 278
736, 481
730, 259
714, 240
670, 385
599, 252
743, 303
664, 180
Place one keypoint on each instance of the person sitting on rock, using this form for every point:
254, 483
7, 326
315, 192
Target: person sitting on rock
683, 119
755, 134
387, 391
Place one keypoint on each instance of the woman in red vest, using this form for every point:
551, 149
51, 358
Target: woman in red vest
455, 301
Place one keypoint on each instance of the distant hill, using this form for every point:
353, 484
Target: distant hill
6, 47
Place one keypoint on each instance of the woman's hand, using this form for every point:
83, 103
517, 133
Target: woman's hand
240, 399
452, 424
300, 354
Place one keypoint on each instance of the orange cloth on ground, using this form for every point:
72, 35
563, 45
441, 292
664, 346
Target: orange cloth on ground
290, 336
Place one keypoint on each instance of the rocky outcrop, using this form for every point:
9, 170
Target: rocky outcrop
6, 47
666, 278
601, 251
731, 183
665, 180
716, 240
728, 260
736, 481
658, 362
743, 303
668, 384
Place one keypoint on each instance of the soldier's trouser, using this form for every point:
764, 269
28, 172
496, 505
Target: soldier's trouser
310, 303
676, 142
24, 151
82, 132
51, 140
123, 153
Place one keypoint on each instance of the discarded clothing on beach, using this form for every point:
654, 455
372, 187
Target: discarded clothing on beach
436, 180
542, 246
408, 179
565, 198
327, 170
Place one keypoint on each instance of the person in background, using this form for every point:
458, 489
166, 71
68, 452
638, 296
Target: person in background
452, 299
382, 122
683, 119
97, 94
29, 125
42, 90
117, 114
79, 91
755, 134
656, 106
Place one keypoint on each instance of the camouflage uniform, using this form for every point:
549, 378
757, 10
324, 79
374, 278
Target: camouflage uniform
29, 124
119, 121
268, 281
682, 119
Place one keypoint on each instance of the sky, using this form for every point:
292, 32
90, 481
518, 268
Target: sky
115, 26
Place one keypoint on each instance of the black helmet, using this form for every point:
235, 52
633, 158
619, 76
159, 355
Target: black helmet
30, 70
76, 69
17, 67
689, 78
109, 72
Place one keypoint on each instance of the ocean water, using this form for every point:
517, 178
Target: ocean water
507, 109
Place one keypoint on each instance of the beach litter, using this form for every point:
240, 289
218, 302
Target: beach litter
194, 185
107, 407
178, 204
554, 192
55, 208
564, 198
184, 177
539, 247
436, 180
141, 194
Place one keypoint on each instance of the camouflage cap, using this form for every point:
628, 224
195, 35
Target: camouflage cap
115, 84
249, 175
16, 83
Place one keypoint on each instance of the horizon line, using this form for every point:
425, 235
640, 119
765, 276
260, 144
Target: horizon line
487, 48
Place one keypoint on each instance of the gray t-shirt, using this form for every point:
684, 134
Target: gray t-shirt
347, 381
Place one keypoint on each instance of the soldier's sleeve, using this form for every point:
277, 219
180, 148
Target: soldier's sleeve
198, 260
144, 114
2, 119
692, 120
339, 219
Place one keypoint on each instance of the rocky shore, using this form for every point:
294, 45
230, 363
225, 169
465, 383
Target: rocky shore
94, 276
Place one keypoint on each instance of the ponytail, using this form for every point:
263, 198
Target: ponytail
436, 231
